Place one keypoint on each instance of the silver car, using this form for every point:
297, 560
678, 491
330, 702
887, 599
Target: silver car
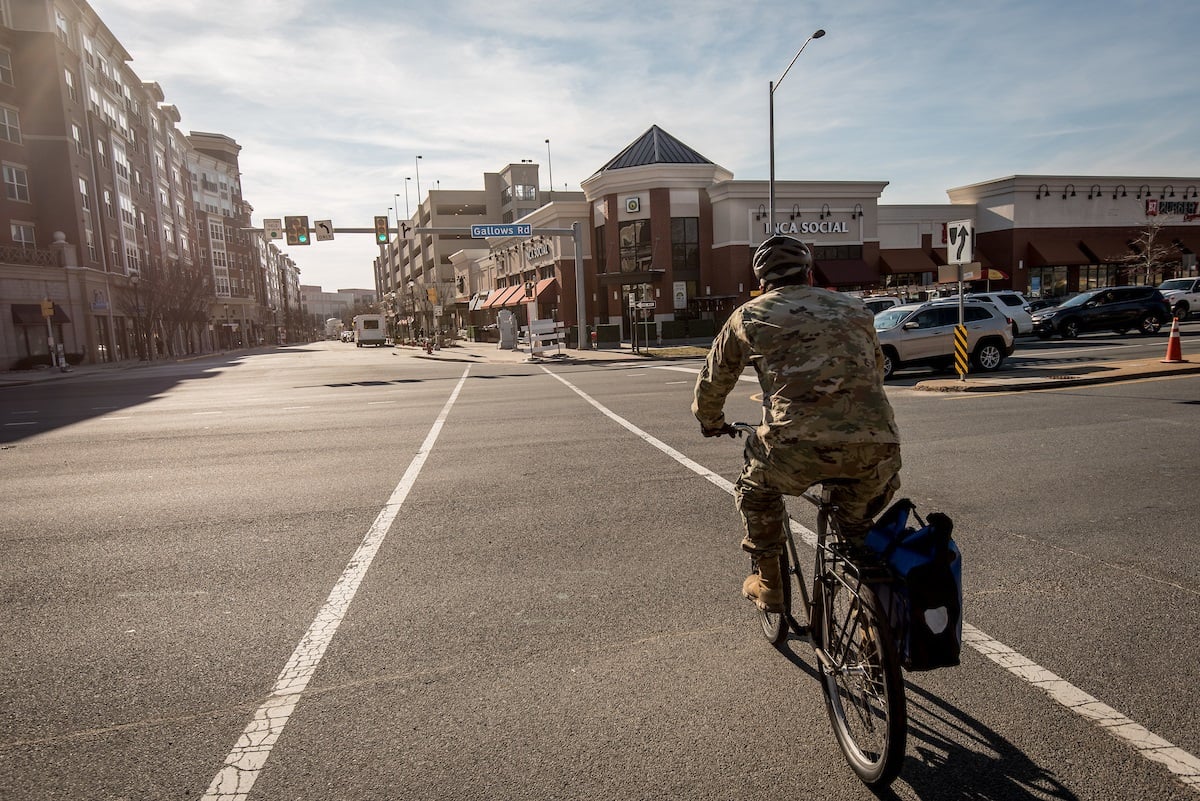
922, 334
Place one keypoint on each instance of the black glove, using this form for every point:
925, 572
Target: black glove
722, 431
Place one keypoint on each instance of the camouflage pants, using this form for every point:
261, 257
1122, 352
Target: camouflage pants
872, 470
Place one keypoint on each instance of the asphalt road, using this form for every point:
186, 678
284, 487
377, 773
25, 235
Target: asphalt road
505, 581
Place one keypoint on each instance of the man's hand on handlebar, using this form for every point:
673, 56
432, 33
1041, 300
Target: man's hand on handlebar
722, 431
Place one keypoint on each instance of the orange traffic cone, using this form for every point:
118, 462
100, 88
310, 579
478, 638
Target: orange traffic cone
1174, 348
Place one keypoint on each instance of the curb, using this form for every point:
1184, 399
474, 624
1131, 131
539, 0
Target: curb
1023, 384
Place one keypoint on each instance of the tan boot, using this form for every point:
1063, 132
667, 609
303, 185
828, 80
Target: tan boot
765, 587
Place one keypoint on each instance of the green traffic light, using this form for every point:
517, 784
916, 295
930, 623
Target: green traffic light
303, 238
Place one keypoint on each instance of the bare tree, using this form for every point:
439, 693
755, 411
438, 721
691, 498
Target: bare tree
185, 307
1150, 254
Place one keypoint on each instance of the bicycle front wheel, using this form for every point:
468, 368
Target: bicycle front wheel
864, 691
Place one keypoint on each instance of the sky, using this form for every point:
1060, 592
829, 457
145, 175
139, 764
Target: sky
333, 102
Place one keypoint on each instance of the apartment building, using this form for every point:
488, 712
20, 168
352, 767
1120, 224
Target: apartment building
107, 209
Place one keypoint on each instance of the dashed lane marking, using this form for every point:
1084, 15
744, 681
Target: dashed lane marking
1183, 765
250, 752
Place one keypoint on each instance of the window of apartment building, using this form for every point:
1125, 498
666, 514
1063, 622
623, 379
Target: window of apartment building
89, 239
22, 234
169, 233
122, 161
114, 251
142, 223
62, 26
132, 263
223, 285
636, 254
685, 243
216, 231
69, 80
77, 135
599, 253
219, 259
16, 183
126, 208
93, 100
6, 75
84, 194
108, 204
87, 50
10, 124
101, 153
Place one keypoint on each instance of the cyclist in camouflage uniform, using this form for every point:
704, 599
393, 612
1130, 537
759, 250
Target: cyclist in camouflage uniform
825, 414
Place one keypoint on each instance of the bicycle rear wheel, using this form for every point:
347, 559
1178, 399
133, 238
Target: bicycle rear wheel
860, 676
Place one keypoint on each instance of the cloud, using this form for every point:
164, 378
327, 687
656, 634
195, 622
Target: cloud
333, 102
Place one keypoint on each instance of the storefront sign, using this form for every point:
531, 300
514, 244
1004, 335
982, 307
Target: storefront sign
538, 250
804, 227
679, 289
1185, 208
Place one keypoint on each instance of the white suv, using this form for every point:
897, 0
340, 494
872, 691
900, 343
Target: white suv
1011, 304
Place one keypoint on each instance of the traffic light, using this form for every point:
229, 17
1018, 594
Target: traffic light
381, 230
47, 308
296, 229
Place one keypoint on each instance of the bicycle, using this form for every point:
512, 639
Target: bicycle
851, 635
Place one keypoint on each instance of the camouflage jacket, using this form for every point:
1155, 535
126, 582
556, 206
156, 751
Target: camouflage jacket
818, 362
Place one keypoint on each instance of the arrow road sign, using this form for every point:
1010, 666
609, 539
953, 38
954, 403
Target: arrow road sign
960, 236
324, 230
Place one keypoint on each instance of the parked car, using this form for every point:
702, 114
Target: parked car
1011, 304
1183, 294
1037, 304
1117, 308
923, 334
881, 302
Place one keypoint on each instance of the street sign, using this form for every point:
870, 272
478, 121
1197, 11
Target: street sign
273, 229
960, 242
646, 304
507, 229
47, 308
324, 230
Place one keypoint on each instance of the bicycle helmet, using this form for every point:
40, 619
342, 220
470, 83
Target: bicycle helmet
782, 257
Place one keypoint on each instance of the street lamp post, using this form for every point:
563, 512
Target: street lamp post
550, 169
772, 87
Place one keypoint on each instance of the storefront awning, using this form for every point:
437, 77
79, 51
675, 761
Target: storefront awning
31, 314
1107, 249
845, 272
546, 290
496, 299
1056, 253
906, 260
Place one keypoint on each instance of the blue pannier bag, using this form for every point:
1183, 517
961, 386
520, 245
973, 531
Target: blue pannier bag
924, 598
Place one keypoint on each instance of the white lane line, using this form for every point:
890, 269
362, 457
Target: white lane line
379, 403
22, 423
294, 408
111, 417
202, 413
249, 754
748, 376
1185, 766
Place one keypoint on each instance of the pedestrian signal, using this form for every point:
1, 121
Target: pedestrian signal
296, 229
47, 308
381, 230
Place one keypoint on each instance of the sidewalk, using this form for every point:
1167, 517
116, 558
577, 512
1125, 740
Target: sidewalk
491, 353
1074, 375
18, 378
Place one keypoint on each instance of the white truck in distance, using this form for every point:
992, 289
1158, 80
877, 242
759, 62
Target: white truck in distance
1183, 294
368, 329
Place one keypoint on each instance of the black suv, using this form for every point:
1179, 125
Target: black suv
1114, 308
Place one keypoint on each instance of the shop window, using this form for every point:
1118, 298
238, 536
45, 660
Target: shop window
636, 251
599, 252
685, 243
